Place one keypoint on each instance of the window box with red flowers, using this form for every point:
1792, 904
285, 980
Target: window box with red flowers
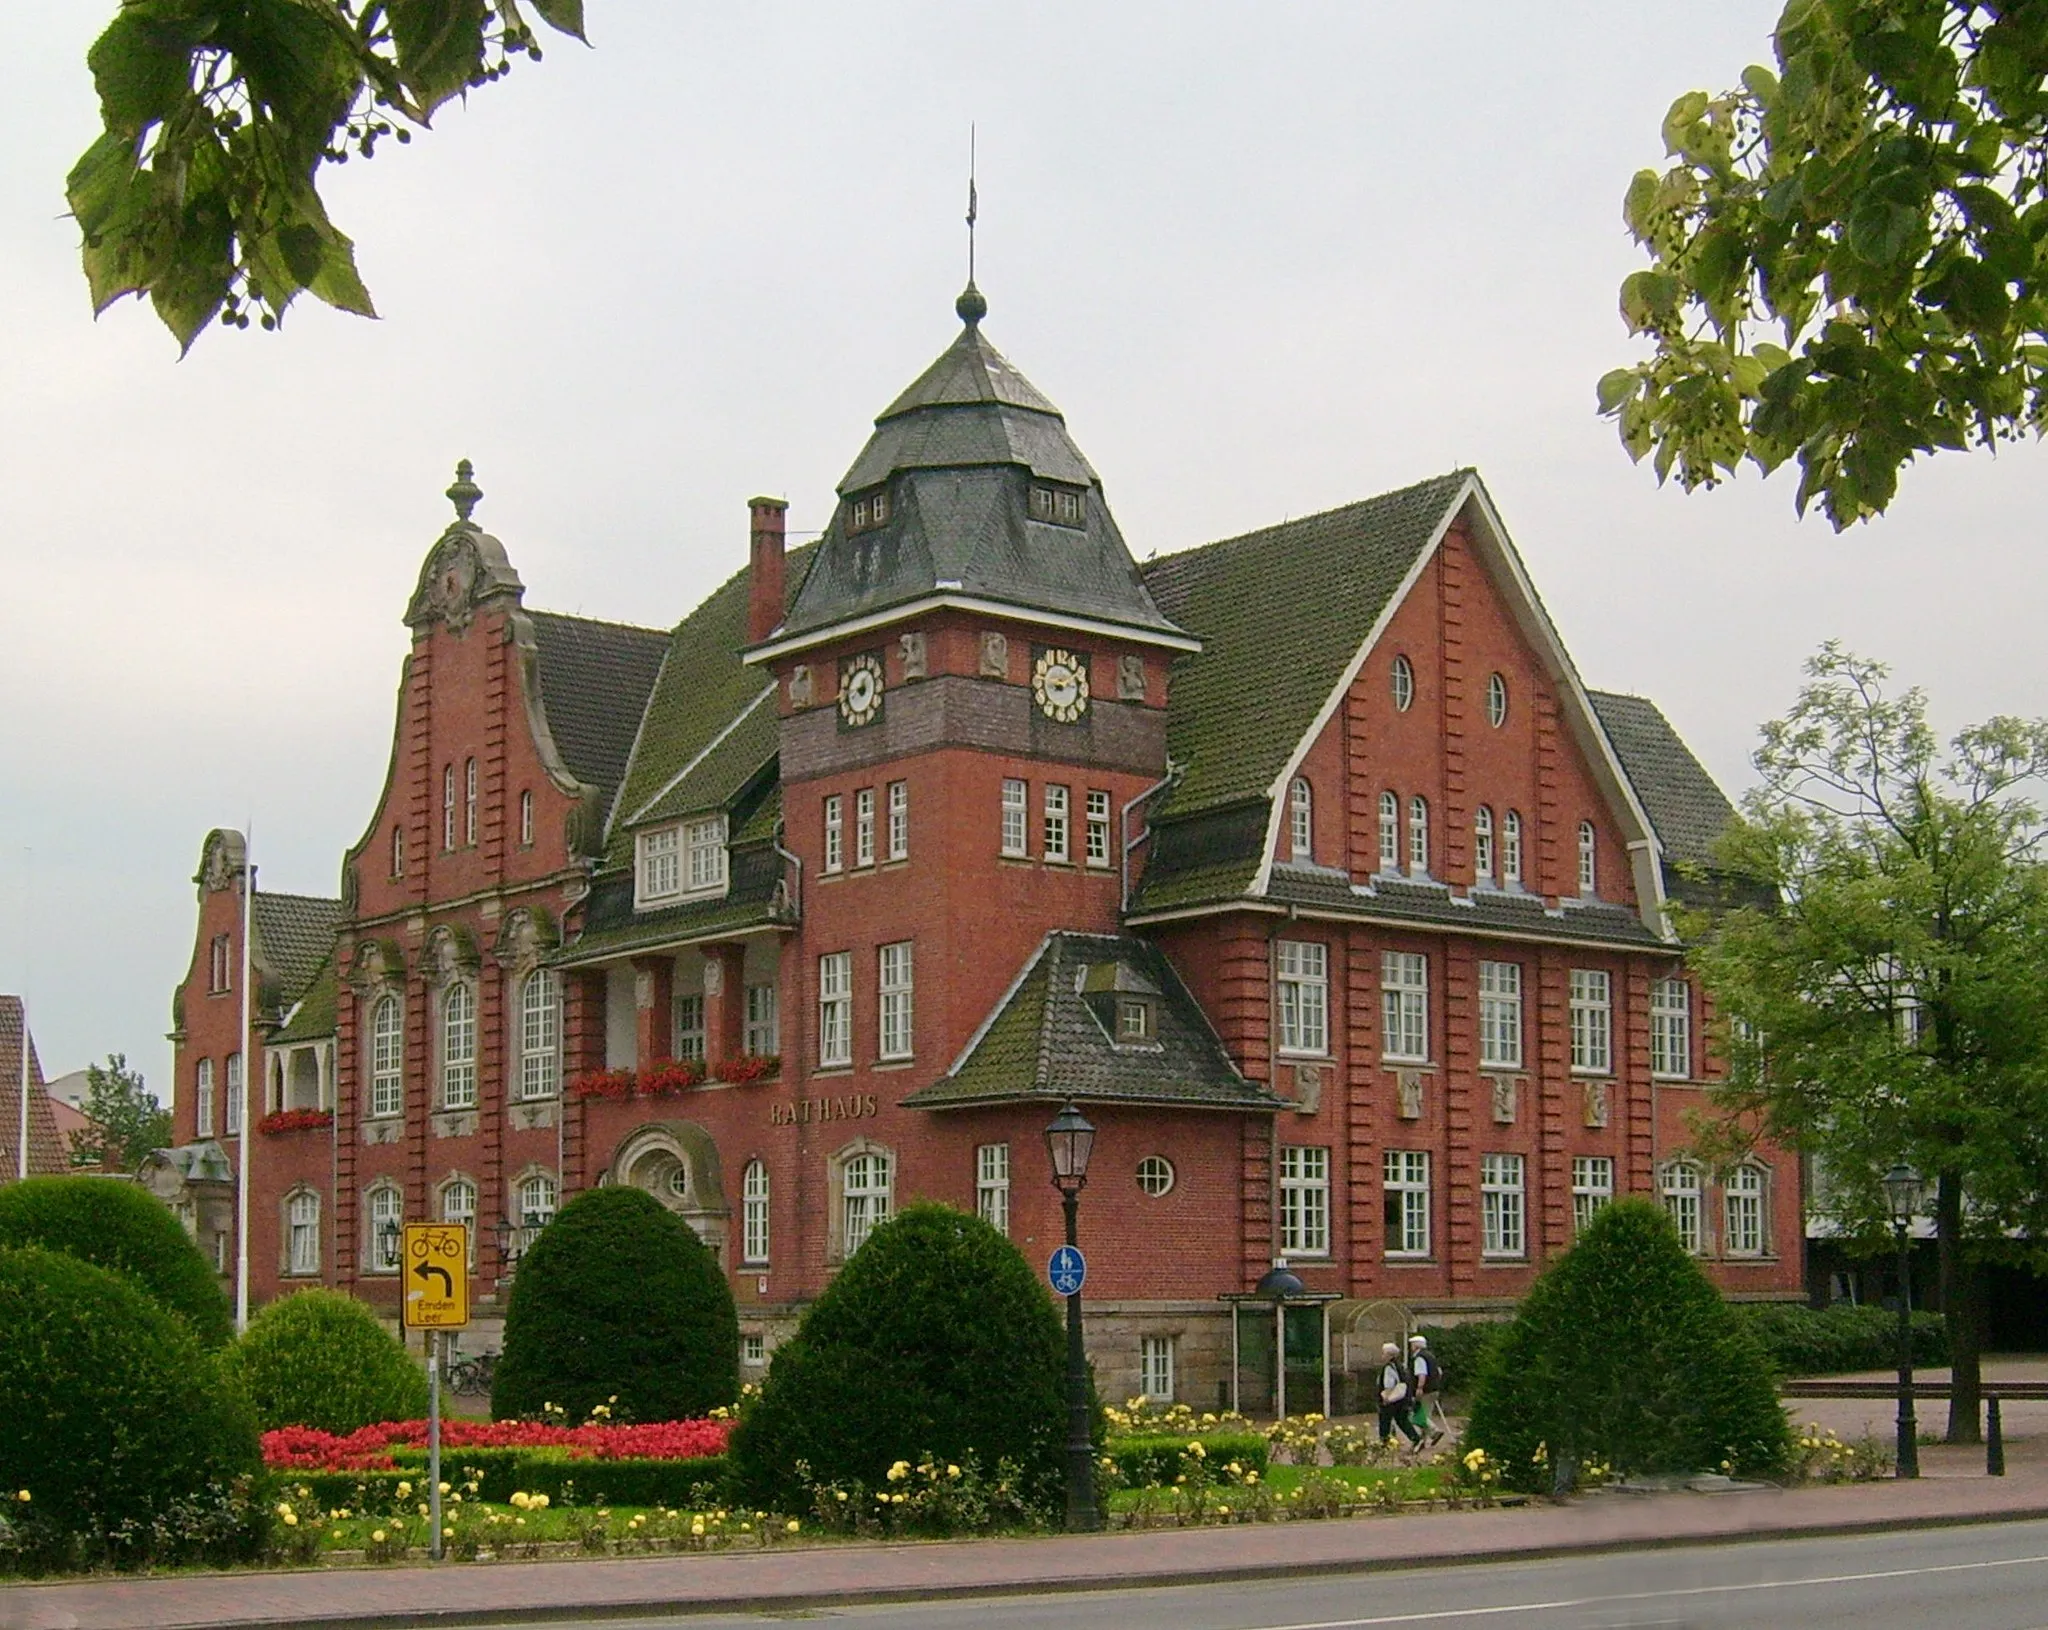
616, 1084
671, 1076
750, 1067
294, 1120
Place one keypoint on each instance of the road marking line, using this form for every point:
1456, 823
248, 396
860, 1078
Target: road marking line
1652, 1595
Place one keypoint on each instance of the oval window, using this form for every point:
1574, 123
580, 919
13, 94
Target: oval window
1404, 684
1496, 701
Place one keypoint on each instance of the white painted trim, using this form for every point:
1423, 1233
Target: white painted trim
966, 602
705, 752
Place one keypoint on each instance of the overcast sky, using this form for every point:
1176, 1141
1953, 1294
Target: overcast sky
1268, 258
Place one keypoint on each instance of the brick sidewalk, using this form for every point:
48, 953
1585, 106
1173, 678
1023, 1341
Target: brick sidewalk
814, 1576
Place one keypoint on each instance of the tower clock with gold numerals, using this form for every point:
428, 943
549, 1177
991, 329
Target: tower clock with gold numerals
1059, 683
860, 689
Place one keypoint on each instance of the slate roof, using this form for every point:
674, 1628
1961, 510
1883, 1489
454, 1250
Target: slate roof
294, 936
959, 451
1688, 811
1507, 912
47, 1154
594, 683
1049, 1040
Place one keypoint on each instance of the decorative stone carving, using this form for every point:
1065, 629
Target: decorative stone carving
527, 932
912, 647
995, 655
1504, 1100
450, 582
386, 1131
222, 861
1596, 1103
532, 1117
1308, 1088
802, 688
455, 1123
714, 976
1408, 1091
451, 952
1130, 678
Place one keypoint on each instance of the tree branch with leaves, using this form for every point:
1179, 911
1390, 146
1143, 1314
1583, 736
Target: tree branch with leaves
126, 1122
202, 192
1848, 255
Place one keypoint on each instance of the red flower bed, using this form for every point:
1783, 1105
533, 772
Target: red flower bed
603, 1084
295, 1120
750, 1067
304, 1448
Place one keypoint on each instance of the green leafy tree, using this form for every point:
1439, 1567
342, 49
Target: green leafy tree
119, 1226
127, 1121
202, 190
1893, 1005
320, 1358
1847, 253
1624, 1355
618, 1299
936, 1339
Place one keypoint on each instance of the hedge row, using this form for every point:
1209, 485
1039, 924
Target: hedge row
1145, 1462
1828, 1341
1461, 1350
504, 1472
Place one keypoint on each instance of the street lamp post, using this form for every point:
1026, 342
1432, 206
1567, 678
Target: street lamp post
1902, 1192
1069, 1141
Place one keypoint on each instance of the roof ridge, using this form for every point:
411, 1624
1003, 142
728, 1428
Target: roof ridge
290, 894
599, 622
1155, 562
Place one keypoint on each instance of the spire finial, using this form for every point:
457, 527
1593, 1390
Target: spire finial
971, 305
465, 494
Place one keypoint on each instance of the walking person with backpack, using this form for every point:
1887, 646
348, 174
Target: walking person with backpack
1397, 1397
1427, 1384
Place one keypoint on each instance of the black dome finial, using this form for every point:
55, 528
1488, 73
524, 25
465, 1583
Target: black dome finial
972, 305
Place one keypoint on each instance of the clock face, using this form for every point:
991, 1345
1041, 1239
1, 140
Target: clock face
1059, 681
860, 690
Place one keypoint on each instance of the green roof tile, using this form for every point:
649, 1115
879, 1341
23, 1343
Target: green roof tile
314, 1017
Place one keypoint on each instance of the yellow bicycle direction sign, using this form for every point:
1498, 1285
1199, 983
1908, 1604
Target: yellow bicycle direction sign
436, 1268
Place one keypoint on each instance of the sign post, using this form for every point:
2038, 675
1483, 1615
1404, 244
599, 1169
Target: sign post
435, 1257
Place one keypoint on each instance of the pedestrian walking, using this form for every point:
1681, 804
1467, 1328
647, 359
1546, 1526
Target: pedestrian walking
1426, 1378
1397, 1405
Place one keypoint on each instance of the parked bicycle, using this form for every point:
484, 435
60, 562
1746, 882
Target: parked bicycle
472, 1373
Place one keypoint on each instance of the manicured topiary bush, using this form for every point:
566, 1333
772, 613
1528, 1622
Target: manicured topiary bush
618, 1298
319, 1358
117, 1225
127, 1434
1624, 1355
936, 1340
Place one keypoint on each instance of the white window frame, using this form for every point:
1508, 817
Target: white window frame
526, 819
540, 1035
1402, 679
1503, 1206
386, 1204
704, 855
1404, 1176
1301, 977
1746, 1212
1671, 1029
1156, 1368
447, 808
992, 1185
1589, 858
458, 1046
754, 1214
1496, 699
1058, 807
764, 1019
1156, 1176
835, 832
689, 1032
1304, 1200
1592, 1015
539, 1197
1390, 831
1418, 835
1301, 820
1500, 1015
231, 1096
753, 1347
1683, 1192
899, 820
1511, 850
220, 964
202, 1099
660, 872
302, 1233
1482, 844
895, 981
864, 827
469, 802
866, 1190
1097, 852
1135, 1021
1592, 1189
453, 1209
1016, 818
398, 851
835, 1010
1404, 1006
387, 1058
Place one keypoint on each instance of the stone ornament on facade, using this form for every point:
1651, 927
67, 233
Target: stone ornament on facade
1408, 1087
714, 976
451, 953
1308, 1088
467, 567
802, 688
912, 647
1596, 1103
1130, 678
995, 655
222, 862
528, 934
1504, 1089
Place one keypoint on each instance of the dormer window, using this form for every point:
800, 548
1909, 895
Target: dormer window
660, 864
705, 843
676, 862
868, 511
1134, 1020
1062, 506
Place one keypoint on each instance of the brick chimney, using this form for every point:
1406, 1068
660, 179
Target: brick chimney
764, 577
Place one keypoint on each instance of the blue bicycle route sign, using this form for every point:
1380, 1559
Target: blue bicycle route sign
1068, 1271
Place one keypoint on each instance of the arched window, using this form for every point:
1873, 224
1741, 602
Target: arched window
398, 851
1587, 877
754, 1213
1496, 701
448, 806
526, 819
1404, 684
302, 1233
385, 1214
458, 1205
1511, 848
1390, 832
1418, 834
1301, 823
1482, 843
202, 1099
1743, 1200
537, 1200
458, 1047
866, 1188
387, 1059
539, 1060
1681, 1192
469, 802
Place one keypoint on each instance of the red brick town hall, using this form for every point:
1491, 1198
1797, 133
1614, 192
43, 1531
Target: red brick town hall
1303, 862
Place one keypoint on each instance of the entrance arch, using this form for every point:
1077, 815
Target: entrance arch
677, 1162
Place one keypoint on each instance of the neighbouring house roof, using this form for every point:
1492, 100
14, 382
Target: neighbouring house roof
1052, 1037
48, 1155
202, 1162
595, 678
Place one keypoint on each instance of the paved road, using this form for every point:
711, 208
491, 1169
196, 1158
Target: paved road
1993, 1577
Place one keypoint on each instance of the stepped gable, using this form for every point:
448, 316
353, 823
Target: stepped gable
957, 457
